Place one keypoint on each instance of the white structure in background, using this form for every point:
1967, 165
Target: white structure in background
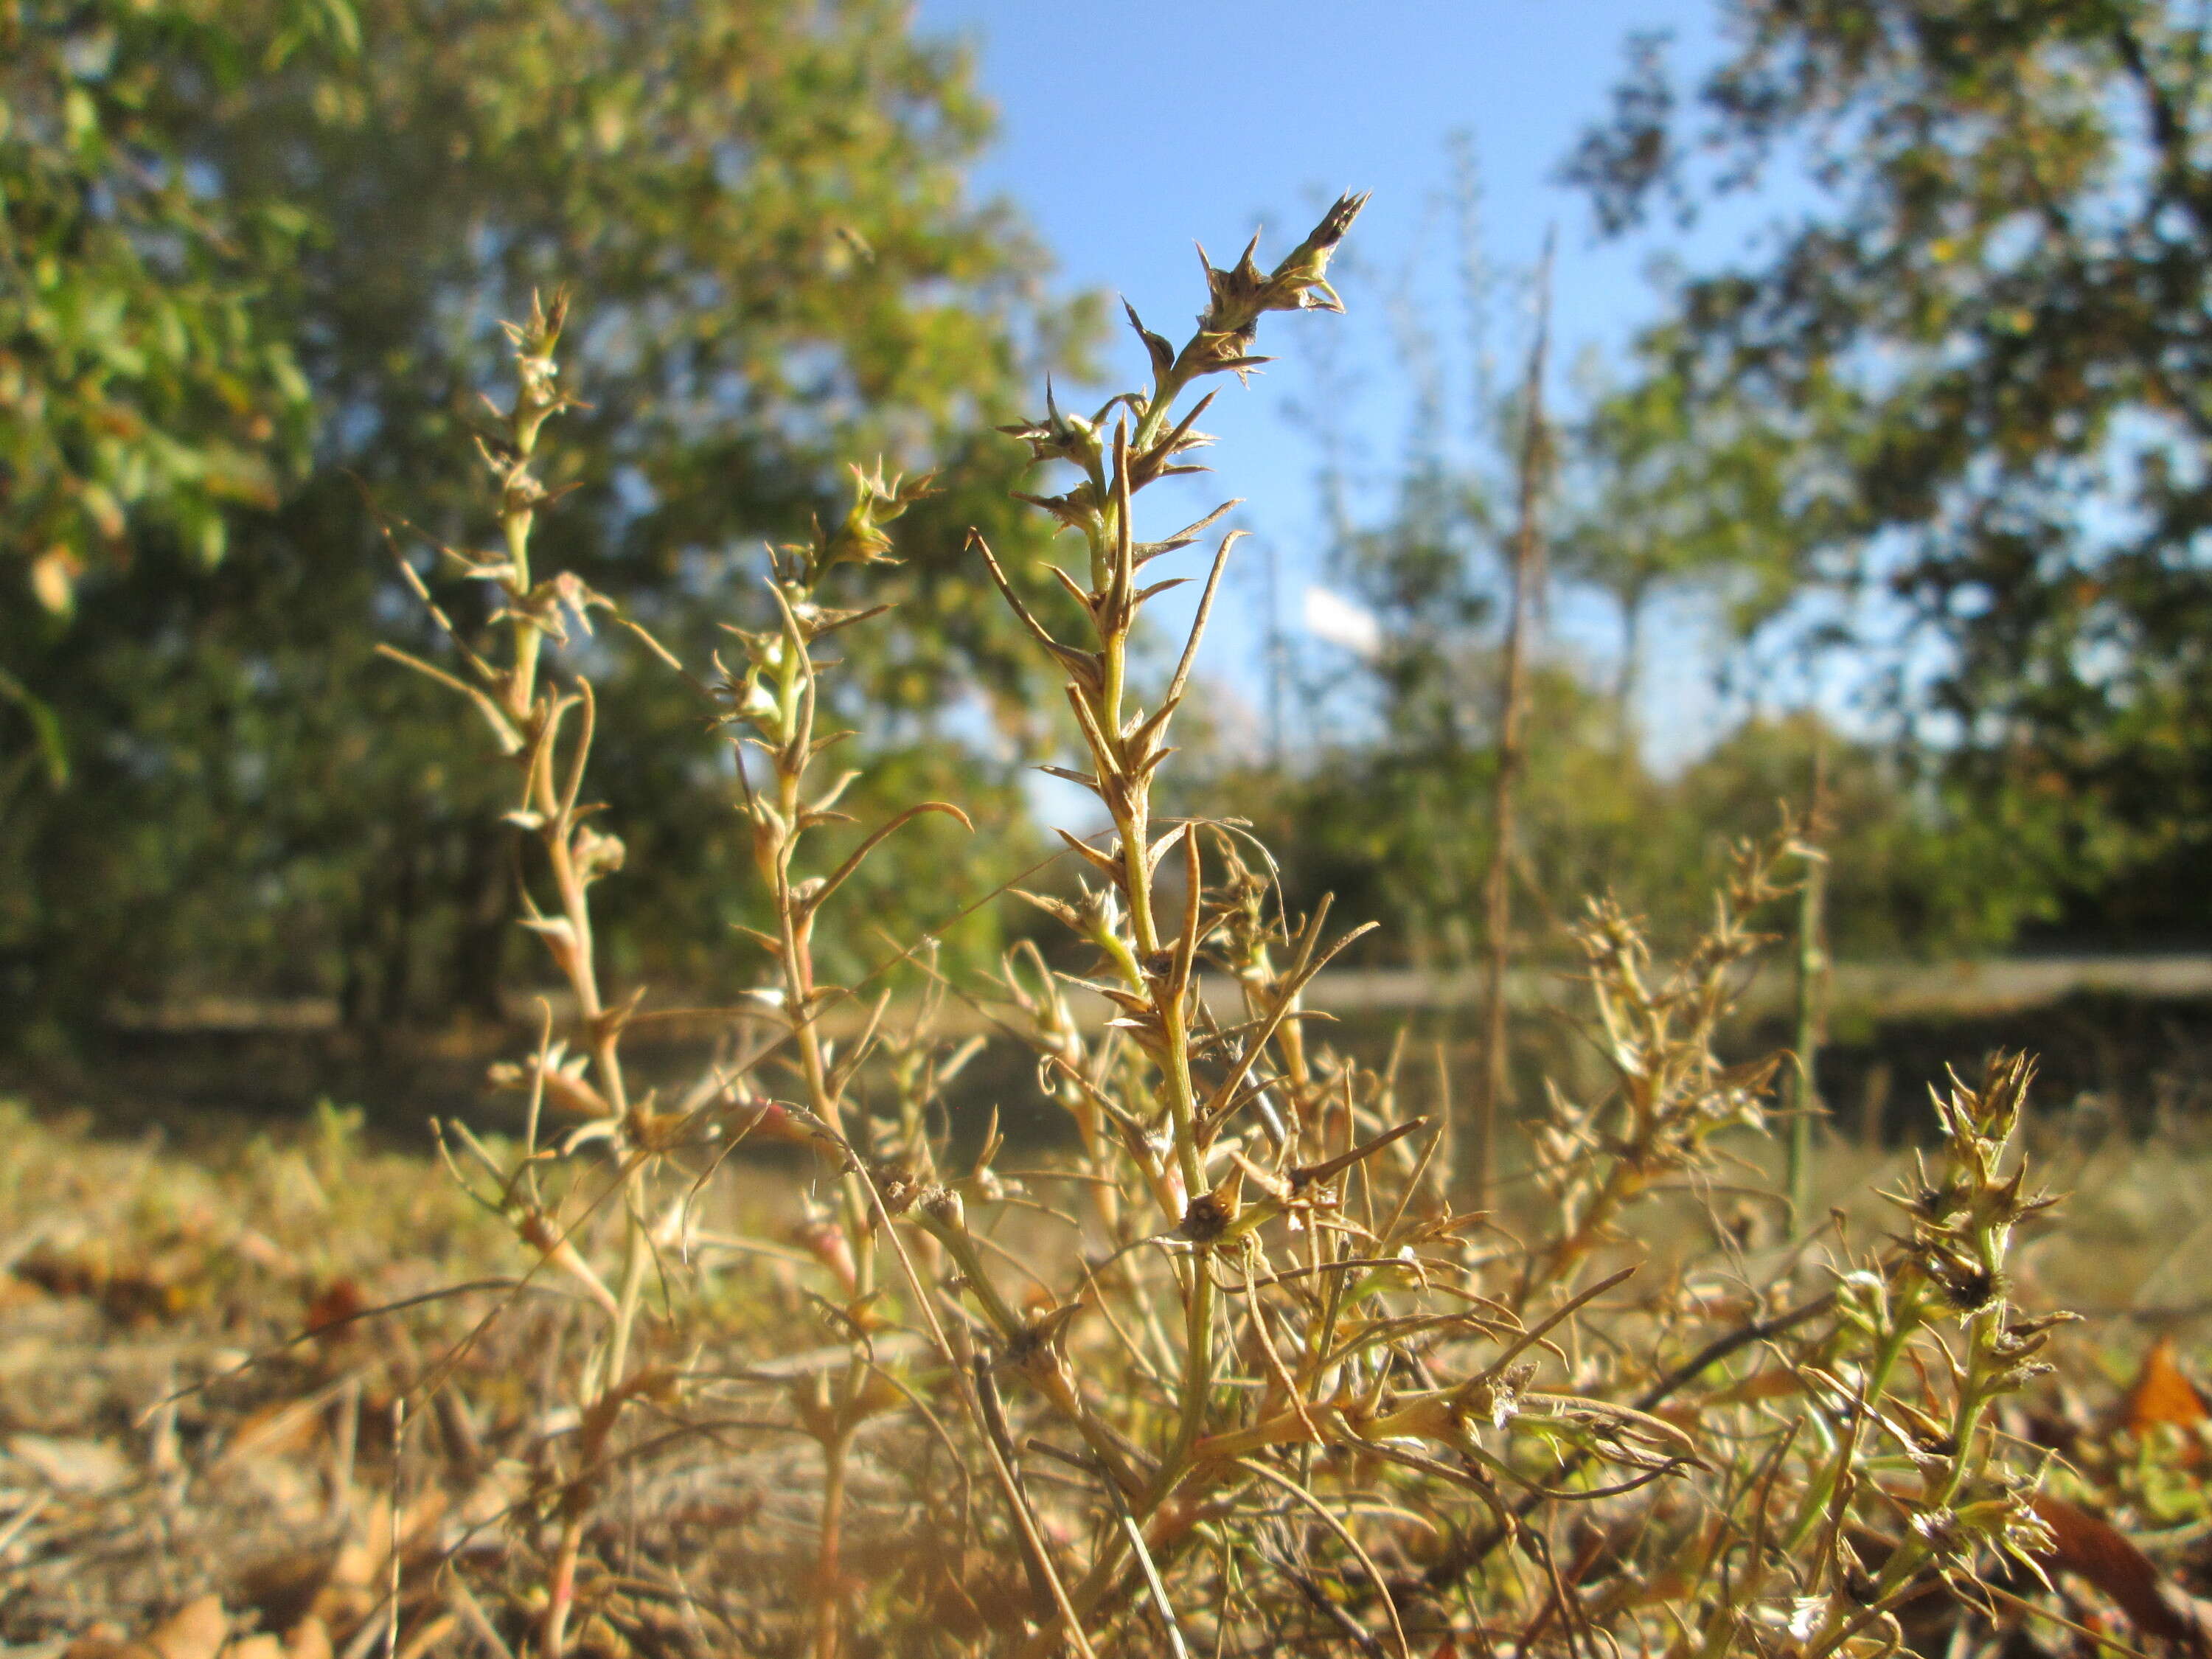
1335, 620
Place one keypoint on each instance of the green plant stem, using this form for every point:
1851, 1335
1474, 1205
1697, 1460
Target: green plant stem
637, 1259
1169, 993
1914, 1551
1125, 757
536, 710
1812, 966
1197, 1371
1114, 1574
1817, 1496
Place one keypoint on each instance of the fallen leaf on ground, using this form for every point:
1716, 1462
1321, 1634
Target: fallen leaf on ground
2100, 1552
2162, 1393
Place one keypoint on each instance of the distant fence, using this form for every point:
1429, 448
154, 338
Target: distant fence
1880, 989
1873, 988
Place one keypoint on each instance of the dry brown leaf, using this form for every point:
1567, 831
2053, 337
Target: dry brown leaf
2161, 1393
366, 1557
432, 1632
333, 1311
143, 1290
2099, 1551
261, 1645
342, 1606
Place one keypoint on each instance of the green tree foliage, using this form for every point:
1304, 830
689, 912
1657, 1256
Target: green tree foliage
1669, 482
1393, 820
1985, 341
1915, 869
139, 392
758, 206
139, 386
1420, 572
1669, 494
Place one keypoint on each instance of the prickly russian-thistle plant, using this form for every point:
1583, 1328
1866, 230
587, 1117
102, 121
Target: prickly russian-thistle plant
1251, 1381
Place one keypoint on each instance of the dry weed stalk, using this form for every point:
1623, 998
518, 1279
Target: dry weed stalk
1270, 1388
1305, 1313
531, 716
1671, 1093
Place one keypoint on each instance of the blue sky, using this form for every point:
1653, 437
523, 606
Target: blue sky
1127, 132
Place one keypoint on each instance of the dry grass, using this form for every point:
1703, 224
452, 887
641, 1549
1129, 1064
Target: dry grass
134, 1269
1239, 1371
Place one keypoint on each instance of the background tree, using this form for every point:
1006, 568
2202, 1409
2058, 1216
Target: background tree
142, 390
757, 204
1681, 478
1431, 570
1669, 495
1986, 342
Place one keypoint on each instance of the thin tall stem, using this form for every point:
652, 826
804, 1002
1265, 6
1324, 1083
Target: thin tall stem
1812, 976
1512, 717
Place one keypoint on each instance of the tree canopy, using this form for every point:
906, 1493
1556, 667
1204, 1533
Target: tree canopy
266, 248
1984, 340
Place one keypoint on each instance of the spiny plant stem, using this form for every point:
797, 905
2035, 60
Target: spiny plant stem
1155, 975
775, 702
528, 715
1283, 1302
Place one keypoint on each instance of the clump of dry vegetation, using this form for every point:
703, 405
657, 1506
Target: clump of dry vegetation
1233, 1374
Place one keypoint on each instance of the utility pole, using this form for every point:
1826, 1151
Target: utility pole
1528, 576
